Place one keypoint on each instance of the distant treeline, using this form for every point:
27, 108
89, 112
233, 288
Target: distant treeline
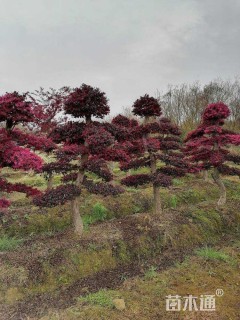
184, 103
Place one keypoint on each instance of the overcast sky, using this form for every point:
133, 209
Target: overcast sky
125, 47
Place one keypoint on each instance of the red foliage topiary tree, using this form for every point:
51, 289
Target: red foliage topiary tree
207, 147
86, 147
148, 143
48, 108
14, 109
15, 144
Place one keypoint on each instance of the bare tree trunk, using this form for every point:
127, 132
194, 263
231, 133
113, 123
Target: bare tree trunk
157, 206
50, 182
76, 217
129, 172
31, 173
111, 167
206, 176
223, 194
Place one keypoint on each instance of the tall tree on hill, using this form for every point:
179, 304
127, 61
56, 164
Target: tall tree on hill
87, 145
149, 143
207, 147
48, 108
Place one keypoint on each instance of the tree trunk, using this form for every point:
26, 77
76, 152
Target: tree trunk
206, 177
50, 182
31, 173
129, 173
223, 194
111, 167
76, 218
157, 206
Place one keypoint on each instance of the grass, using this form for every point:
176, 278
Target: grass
146, 298
173, 201
103, 298
212, 254
99, 213
151, 273
33, 223
8, 244
178, 182
203, 272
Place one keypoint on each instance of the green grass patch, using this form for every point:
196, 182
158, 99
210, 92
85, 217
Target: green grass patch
50, 221
146, 298
8, 244
173, 201
103, 298
99, 213
151, 273
212, 254
178, 182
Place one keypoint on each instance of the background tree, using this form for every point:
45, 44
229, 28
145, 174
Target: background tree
48, 108
185, 103
207, 147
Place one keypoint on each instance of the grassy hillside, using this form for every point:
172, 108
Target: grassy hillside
126, 253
